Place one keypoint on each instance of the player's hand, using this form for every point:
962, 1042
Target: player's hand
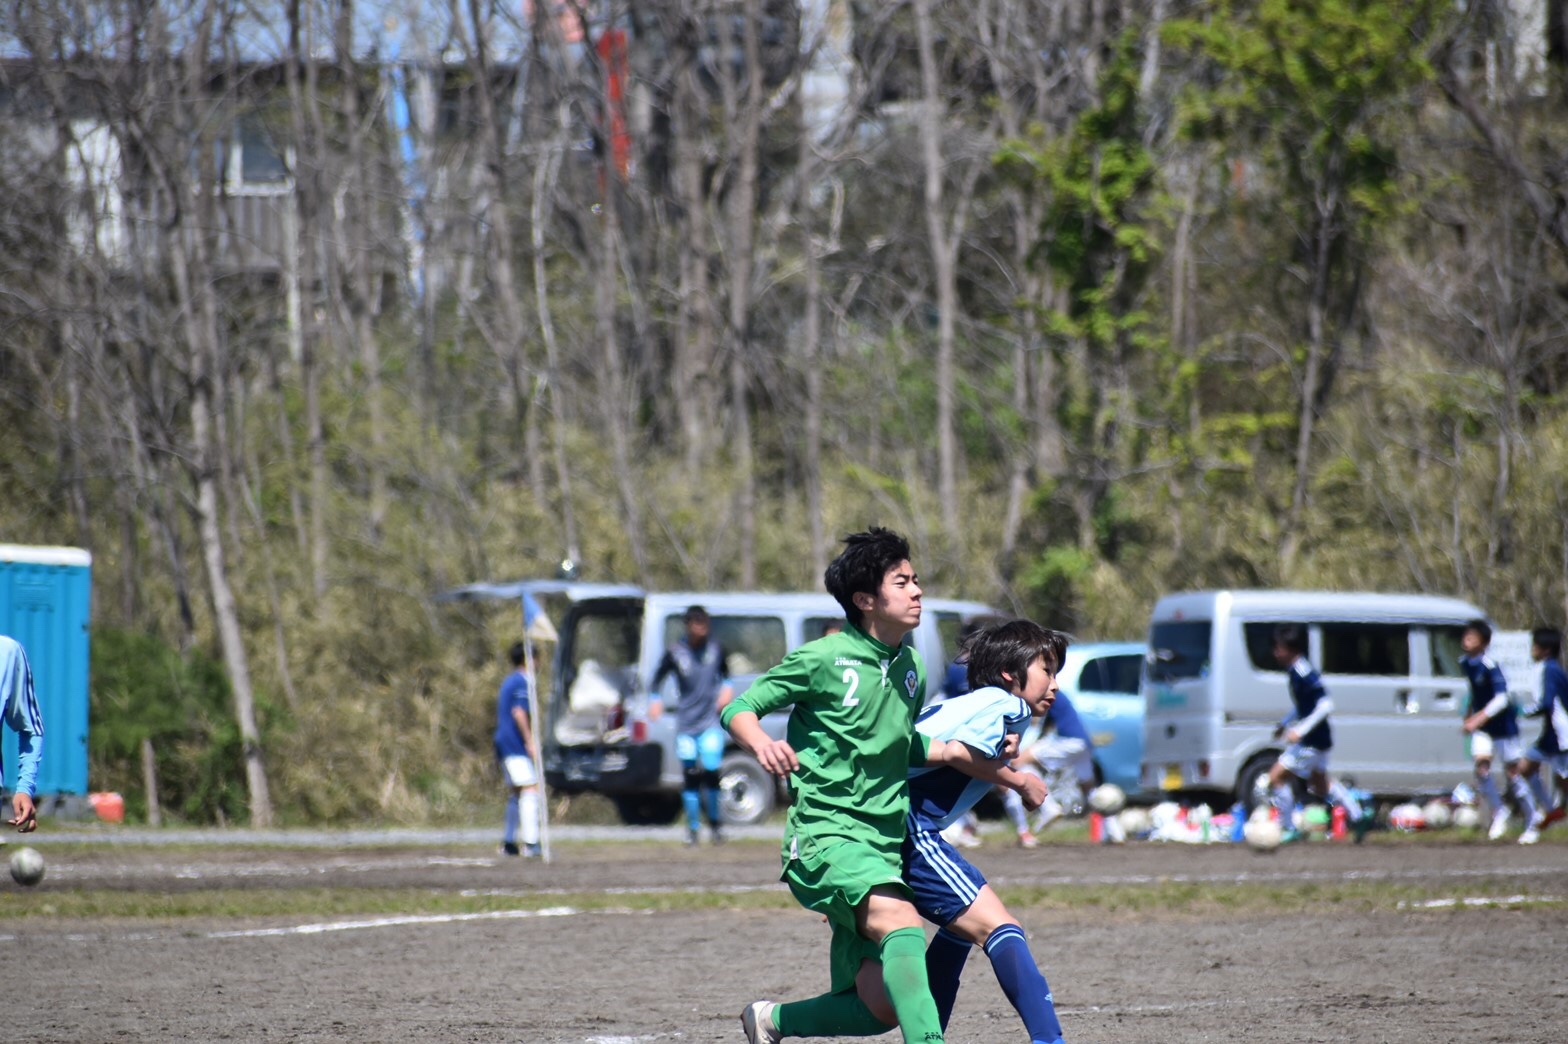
1279, 730
778, 757
1009, 749
1032, 790
26, 818
1292, 736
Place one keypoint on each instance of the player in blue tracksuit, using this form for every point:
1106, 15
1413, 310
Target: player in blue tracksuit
19, 712
1012, 670
1551, 749
1493, 726
1308, 737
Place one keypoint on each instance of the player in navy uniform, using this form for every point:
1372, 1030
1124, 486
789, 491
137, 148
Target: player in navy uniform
1493, 726
1012, 672
518, 756
1308, 737
698, 664
1551, 750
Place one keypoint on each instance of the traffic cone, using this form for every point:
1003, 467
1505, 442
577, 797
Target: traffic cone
1096, 827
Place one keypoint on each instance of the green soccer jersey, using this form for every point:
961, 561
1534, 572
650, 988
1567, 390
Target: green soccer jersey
853, 731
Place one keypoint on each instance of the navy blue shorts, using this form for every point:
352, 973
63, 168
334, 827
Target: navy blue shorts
945, 883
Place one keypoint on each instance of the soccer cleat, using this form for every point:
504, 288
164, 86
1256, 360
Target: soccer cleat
757, 1021
1530, 836
1027, 840
691, 839
1363, 823
1554, 815
718, 835
532, 851
1287, 836
509, 848
1499, 825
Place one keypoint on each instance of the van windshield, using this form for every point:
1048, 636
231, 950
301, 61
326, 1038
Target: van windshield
1179, 650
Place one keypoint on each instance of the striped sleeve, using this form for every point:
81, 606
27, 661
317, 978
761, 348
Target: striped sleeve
19, 711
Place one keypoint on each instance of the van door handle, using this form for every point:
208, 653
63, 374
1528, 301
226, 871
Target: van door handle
1405, 702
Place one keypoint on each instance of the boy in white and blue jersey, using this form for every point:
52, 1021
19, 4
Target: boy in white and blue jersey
1308, 737
1012, 672
19, 712
1493, 726
1551, 749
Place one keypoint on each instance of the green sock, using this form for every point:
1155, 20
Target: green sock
830, 1015
904, 975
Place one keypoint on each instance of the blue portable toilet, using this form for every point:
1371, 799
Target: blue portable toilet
45, 599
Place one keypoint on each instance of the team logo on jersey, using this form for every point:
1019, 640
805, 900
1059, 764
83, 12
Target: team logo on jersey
910, 681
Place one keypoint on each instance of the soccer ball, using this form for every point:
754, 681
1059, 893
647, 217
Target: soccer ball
1406, 817
1262, 834
1135, 821
27, 866
1467, 817
1437, 815
1107, 799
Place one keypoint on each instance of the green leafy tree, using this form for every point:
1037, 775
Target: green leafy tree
1312, 92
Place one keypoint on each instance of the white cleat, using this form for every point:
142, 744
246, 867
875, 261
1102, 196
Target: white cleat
1532, 833
757, 1021
1499, 825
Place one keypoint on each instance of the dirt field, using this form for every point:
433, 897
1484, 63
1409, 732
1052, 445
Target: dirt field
1487, 971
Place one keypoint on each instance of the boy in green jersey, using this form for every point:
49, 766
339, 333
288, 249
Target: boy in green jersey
848, 749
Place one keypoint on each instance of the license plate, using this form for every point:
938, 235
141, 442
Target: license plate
1172, 779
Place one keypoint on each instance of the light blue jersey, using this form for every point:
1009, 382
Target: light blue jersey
19, 712
939, 795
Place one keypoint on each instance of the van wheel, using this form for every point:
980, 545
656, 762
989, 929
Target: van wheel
647, 809
747, 793
1252, 786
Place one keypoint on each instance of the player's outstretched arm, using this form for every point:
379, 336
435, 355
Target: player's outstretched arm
971, 762
777, 756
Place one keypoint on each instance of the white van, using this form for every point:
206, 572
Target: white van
1213, 693
596, 733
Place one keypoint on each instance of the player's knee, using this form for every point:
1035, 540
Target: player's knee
872, 991
710, 778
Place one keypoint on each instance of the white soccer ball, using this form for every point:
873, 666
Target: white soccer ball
1438, 815
1135, 821
1262, 834
1262, 814
1407, 817
1107, 799
1467, 817
27, 866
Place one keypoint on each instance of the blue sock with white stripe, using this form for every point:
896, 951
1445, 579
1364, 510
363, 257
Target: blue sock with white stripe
1488, 786
1525, 798
691, 799
1543, 800
945, 959
1025, 987
513, 818
1341, 794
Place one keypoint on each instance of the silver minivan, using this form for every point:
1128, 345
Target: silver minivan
1213, 692
596, 734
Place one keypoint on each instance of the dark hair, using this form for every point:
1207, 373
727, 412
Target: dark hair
1482, 628
1291, 636
1550, 639
861, 567
517, 654
1008, 649
695, 612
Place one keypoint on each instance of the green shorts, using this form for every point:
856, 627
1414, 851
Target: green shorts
834, 879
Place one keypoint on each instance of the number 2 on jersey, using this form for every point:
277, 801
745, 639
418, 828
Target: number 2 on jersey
852, 679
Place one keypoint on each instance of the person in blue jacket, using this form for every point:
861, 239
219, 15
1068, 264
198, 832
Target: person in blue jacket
19, 712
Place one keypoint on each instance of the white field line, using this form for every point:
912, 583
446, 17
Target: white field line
1478, 900
404, 920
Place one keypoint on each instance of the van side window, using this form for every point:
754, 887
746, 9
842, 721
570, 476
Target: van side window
751, 644
1179, 650
1363, 648
1446, 651
1120, 674
1260, 643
